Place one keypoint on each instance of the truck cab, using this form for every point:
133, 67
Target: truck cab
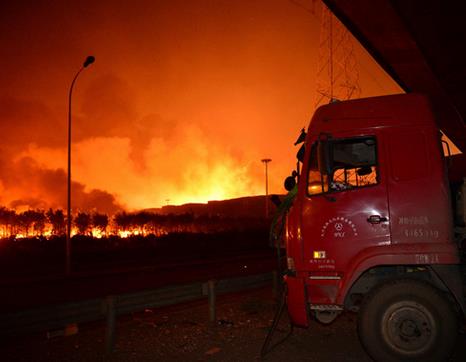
371, 228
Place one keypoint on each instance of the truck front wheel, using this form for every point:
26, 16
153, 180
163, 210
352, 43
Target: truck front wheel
407, 320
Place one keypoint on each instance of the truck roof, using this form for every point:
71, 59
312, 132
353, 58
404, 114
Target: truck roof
411, 110
400, 109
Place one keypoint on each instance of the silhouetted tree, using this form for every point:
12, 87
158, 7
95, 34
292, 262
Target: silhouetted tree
39, 222
157, 224
57, 220
3, 220
7, 220
141, 220
83, 222
13, 222
122, 220
100, 222
26, 220
36, 219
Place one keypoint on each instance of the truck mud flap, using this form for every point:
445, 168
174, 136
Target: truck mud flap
297, 301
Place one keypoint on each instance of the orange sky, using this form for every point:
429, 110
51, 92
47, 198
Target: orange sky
183, 101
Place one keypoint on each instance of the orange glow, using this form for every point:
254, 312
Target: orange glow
95, 232
184, 100
124, 234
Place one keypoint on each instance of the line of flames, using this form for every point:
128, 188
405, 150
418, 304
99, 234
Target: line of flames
94, 232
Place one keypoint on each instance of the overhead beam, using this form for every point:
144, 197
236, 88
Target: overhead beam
388, 30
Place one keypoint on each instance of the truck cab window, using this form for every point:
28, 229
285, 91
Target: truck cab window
354, 165
317, 182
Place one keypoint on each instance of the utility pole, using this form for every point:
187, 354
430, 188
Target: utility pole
265, 161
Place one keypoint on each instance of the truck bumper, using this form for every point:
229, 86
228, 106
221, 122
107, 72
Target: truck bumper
297, 301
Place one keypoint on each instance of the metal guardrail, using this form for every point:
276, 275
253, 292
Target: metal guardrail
55, 317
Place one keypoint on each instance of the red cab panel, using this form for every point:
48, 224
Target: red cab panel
297, 301
373, 191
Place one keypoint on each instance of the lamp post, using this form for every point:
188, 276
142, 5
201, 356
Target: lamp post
89, 60
265, 161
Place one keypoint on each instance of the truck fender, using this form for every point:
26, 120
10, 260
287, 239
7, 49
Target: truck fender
446, 277
450, 275
360, 265
433, 254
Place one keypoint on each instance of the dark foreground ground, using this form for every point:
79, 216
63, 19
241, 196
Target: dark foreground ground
183, 333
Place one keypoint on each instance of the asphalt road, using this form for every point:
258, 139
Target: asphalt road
183, 333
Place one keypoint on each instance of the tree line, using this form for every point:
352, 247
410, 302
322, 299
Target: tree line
53, 223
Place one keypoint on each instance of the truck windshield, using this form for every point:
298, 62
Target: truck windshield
354, 165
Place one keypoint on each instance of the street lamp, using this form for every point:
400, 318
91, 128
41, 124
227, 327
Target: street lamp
266, 161
89, 60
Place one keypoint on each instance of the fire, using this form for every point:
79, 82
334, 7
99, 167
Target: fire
53, 223
97, 233
124, 233
188, 119
222, 181
189, 167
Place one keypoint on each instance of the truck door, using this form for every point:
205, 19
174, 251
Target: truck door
417, 170
345, 207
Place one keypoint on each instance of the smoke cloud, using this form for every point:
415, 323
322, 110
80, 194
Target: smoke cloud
27, 185
182, 103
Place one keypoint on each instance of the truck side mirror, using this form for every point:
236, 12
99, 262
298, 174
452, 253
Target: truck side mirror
324, 157
290, 183
300, 154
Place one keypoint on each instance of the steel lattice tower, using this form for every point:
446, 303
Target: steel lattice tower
337, 74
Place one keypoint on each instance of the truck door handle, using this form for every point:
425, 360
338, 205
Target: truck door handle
376, 219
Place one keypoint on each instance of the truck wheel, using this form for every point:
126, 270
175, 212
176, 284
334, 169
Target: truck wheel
407, 320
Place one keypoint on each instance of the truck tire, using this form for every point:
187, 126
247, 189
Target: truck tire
407, 320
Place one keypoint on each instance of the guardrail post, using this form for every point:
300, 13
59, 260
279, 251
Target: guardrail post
212, 297
110, 330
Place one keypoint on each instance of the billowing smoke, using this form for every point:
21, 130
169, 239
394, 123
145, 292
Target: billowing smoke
27, 185
182, 103
25, 121
120, 157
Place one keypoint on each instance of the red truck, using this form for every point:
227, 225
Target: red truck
371, 228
